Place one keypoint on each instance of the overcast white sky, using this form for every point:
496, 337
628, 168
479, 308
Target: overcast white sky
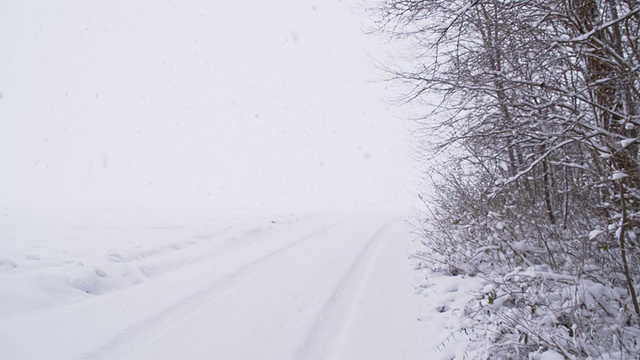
194, 104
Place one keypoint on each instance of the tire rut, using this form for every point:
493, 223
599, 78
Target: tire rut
328, 335
128, 342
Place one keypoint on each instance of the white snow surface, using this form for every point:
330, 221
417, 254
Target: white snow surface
618, 175
140, 284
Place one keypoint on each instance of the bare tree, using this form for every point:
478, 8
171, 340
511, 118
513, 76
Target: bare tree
538, 176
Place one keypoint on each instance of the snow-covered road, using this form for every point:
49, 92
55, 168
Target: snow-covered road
310, 287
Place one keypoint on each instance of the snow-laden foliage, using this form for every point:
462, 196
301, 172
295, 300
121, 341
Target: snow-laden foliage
550, 288
535, 166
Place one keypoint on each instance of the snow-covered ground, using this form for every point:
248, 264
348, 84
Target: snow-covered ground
205, 104
140, 284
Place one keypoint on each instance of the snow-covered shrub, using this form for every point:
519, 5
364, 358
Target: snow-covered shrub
550, 289
531, 128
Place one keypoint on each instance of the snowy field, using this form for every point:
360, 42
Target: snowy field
222, 104
141, 284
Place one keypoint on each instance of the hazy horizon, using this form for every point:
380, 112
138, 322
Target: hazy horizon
188, 105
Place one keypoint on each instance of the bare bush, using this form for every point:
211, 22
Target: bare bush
536, 169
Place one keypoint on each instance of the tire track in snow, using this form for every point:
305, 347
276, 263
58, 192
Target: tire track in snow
328, 335
128, 342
